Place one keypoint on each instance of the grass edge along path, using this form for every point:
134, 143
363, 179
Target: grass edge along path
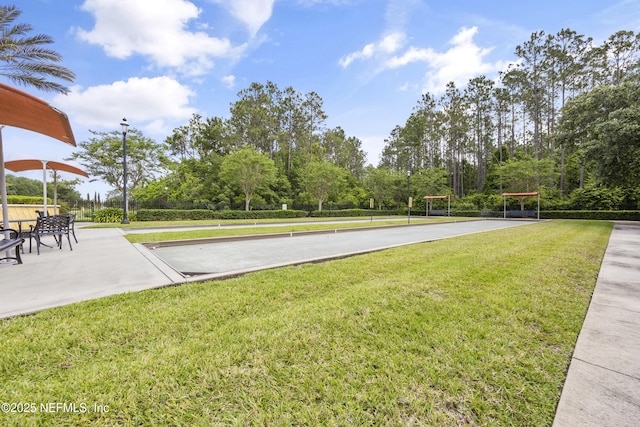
473, 330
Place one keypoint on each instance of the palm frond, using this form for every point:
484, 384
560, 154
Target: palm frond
24, 59
8, 14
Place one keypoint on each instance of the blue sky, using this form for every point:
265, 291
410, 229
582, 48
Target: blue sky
156, 62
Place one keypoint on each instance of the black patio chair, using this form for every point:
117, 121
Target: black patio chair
14, 241
54, 225
71, 225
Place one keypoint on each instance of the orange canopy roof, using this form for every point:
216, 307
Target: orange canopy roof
21, 110
535, 193
33, 164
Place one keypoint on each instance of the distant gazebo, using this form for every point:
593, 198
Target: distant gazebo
530, 194
431, 198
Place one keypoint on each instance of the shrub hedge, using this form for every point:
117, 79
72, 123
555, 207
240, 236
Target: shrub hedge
602, 215
26, 200
115, 214
111, 215
195, 214
566, 214
349, 213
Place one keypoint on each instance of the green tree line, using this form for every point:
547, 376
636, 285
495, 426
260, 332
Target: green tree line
563, 118
21, 186
538, 125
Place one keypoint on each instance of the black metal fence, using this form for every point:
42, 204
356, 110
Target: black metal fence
85, 209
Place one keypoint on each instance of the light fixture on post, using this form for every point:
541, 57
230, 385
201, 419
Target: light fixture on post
125, 126
409, 200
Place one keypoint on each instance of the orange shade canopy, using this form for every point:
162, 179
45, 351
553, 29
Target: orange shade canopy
534, 193
436, 197
21, 110
33, 164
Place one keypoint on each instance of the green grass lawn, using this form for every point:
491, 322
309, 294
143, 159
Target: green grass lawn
473, 330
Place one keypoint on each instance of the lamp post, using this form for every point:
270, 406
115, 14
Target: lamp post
125, 126
409, 197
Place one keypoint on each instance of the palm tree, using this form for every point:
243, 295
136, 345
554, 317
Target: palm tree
24, 60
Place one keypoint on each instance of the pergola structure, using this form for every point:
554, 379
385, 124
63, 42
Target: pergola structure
21, 110
529, 194
431, 198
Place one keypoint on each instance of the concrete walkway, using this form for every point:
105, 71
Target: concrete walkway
102, 263
603, 383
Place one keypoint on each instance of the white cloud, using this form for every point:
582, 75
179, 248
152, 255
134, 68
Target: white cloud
392, 42
463, 60
252, 13
397, 15
152, 104
158, 31
364, 53
388, 45
229, 81
413, 54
